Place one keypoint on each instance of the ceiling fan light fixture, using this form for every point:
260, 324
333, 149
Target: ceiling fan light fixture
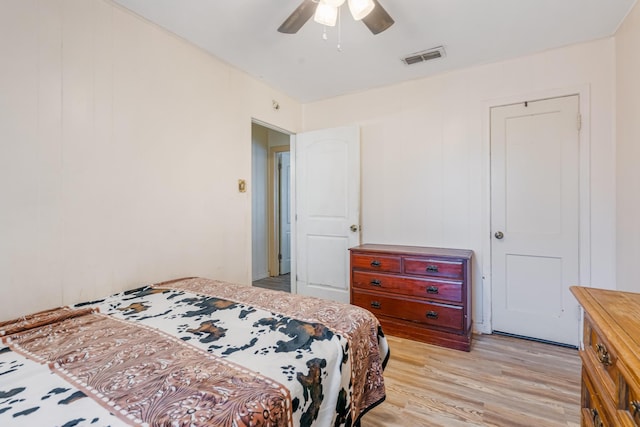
326, 14
334, 3
360, 8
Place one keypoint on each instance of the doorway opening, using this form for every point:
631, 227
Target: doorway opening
271, 218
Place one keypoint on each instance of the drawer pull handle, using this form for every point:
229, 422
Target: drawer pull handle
603, 355
432, 314
375, 304
596, 418
375, 263
432, 290
432, 268
376, 282
636, 408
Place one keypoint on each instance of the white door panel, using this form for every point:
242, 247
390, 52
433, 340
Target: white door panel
284, 212
327, 204
535, 205
318, 274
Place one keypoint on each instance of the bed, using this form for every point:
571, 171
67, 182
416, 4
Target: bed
192, 352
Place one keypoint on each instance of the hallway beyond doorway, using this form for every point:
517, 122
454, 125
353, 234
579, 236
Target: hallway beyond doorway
277, 283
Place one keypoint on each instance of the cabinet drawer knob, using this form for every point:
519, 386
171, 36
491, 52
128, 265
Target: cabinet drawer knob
375, 263
432, 268
432, 314
597, 422
603, 355
376, 282
636, 408
375, 304
432, 290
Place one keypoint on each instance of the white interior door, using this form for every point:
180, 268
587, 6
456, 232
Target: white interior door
535, 218
284, 214
327, 169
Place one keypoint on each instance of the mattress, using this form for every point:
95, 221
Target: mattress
192, 352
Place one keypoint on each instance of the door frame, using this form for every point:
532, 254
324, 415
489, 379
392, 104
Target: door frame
584, 244
292, 201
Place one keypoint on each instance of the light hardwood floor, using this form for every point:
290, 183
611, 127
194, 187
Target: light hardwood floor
503, 381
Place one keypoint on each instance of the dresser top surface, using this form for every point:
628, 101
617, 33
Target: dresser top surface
414, 250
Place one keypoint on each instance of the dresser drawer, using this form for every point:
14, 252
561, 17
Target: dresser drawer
441, 290
593, 409
433, 314
434, 267
603, 358
372, 262
630, 402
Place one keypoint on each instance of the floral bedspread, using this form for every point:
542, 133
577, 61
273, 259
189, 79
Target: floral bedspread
192, 352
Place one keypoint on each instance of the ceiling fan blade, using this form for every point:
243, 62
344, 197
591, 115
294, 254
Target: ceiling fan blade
378, 20
299, 17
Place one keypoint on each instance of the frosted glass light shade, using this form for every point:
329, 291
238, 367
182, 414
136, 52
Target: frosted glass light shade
360, 8
326, 14
334, 3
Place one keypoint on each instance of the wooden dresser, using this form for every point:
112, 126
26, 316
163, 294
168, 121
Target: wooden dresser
610, 357
416, 292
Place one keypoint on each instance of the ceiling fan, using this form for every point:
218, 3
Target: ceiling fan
377, 19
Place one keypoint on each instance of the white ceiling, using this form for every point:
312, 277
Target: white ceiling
244, 34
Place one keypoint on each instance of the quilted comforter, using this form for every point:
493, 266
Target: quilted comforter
192, 352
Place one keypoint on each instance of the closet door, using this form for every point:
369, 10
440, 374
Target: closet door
535, 218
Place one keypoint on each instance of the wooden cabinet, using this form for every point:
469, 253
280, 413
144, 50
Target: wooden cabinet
416, 292
610, 357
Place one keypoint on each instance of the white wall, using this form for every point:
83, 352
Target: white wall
425, 151
628, 150
120, 150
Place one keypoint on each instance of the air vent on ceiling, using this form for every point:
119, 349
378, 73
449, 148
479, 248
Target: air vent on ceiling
425, 55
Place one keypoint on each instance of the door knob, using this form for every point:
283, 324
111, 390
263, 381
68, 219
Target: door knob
354, 228
499, 235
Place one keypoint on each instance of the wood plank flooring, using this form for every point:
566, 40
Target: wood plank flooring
503, 381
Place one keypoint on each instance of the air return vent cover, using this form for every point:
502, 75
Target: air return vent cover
425, 55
